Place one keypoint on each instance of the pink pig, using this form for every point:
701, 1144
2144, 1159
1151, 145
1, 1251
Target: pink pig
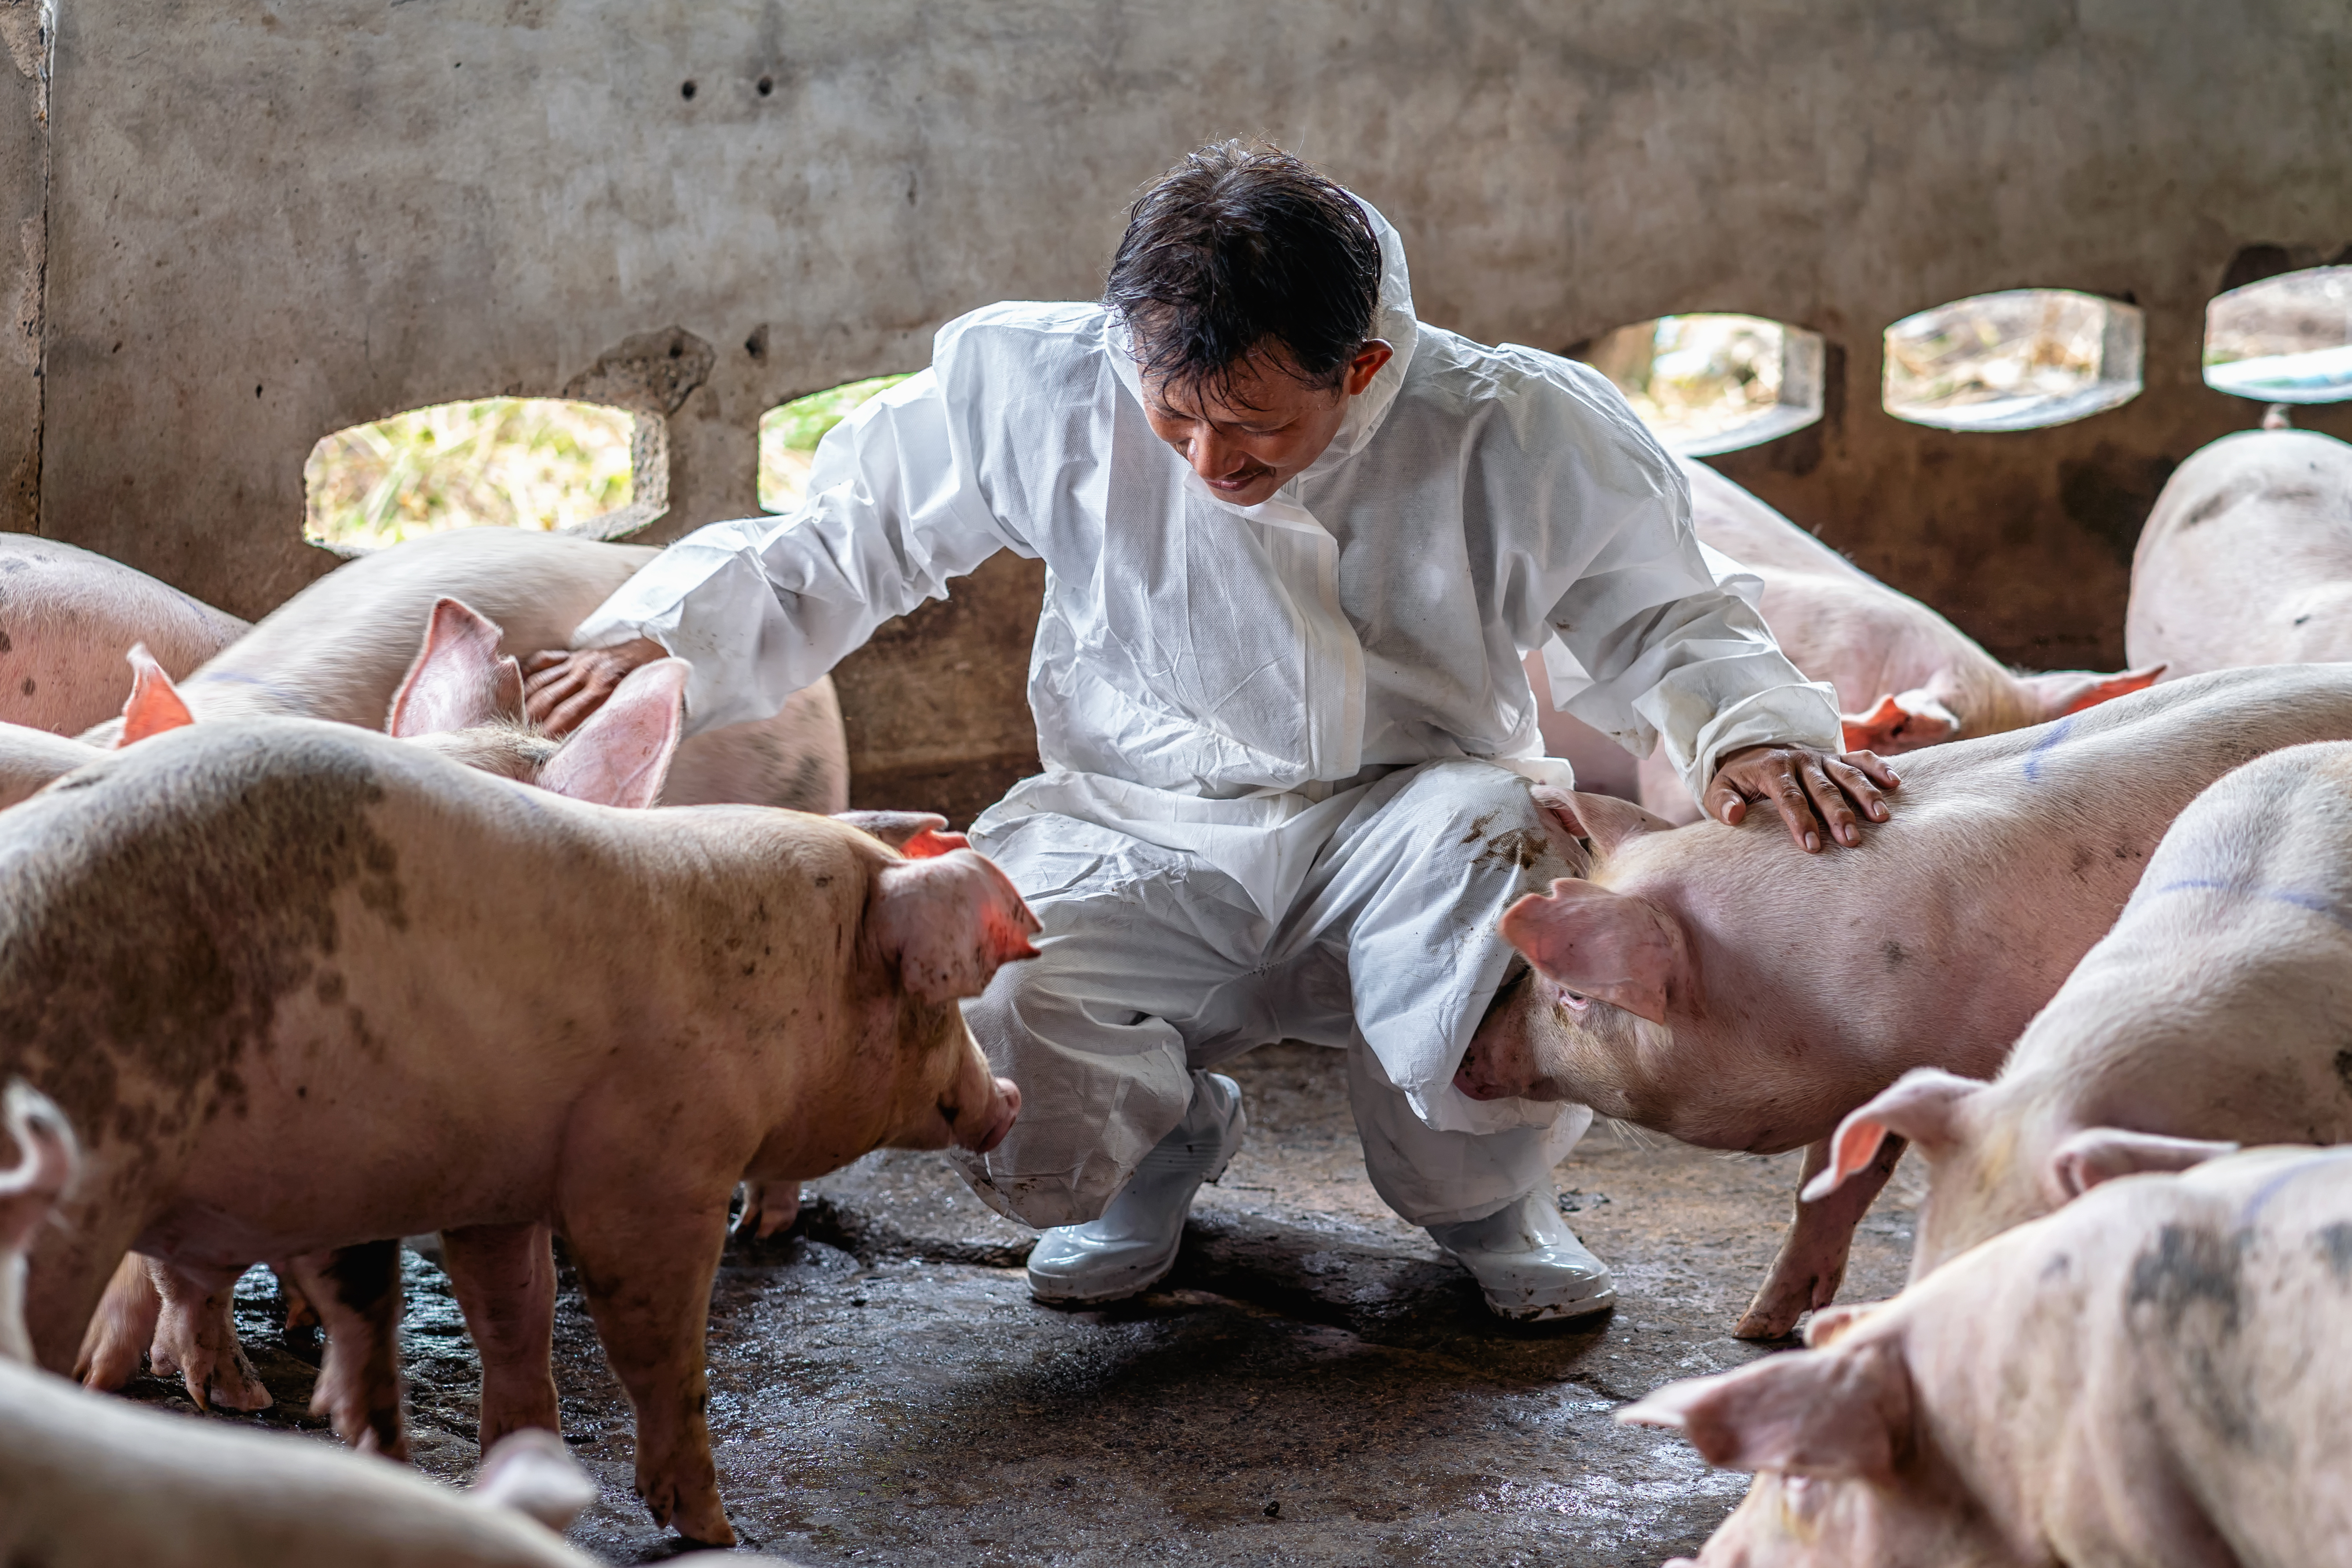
67, 616
339, 648
2156, 1376
1705, 982
2247, 558
460, 698
302, 987
87, 1482
1906, 676
2215, 1013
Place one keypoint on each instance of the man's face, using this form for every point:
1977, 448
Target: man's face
1263, 426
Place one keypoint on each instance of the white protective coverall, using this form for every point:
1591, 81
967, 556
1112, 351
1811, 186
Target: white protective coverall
1256, 821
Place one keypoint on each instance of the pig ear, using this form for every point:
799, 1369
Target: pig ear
155, 705
2102, 1154
948, 923
2064, 691
1922, 1105
46, 1158
621, 754
1899, 724
1602, 818
533, 1473
1838, 1414
457, 679
1622, 951
916, 834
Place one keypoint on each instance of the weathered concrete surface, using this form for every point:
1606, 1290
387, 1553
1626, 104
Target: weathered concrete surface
24, 196
1314, 1385
268, 222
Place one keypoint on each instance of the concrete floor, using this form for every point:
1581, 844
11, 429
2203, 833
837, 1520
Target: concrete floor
1315, 1385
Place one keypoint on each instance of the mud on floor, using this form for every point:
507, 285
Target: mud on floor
1315, 1386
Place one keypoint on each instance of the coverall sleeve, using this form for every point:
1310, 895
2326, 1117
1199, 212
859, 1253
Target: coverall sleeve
764, 605
1659, 651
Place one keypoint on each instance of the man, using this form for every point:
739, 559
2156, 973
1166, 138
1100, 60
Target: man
1298, 545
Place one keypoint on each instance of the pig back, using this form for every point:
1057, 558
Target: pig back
68, 616
169, 912
2215, 1008
2247, 557
338, 648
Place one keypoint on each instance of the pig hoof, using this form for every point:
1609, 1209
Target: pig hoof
1773, 1314
700, 1519
107, 1361
770, 1208
299, 1313
237, 1386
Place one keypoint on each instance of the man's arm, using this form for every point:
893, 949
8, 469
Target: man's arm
1672, 657
763, 607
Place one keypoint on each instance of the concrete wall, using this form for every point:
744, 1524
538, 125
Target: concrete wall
266, 222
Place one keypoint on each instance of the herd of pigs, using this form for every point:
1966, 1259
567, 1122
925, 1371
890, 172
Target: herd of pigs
309, 941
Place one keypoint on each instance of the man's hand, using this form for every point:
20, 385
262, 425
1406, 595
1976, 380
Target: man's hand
563, 687
1810, 788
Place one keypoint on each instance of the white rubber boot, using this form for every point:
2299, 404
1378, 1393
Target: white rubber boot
1133, 1245
1528, 1262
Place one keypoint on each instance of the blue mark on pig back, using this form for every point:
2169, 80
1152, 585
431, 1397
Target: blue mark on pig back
2042, 747
2315, 903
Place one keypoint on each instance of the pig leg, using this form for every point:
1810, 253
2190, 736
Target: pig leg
298, 1314
647, 1274
356, 1293
505, 1280
195, 1335
769, 1209
122, 1329
1812, 1256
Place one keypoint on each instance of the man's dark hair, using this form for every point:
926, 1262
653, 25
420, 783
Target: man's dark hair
1238, 250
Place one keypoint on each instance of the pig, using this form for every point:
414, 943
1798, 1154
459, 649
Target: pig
67, 616
87, 1482
2214, 1014
32, 759
2247, 557
338, 648
1710, 984
457, 699
2154, 1374
1906, 676
305, 987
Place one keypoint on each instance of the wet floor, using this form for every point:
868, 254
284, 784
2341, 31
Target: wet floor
1315, 1386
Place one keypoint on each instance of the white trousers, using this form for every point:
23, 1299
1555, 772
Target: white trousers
1156, 966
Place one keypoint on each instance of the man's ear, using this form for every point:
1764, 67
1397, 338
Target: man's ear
1624, 951
2099, 1155
1835, 1414
1602, 818
1922, 1105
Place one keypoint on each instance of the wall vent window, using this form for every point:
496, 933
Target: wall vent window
1714, 382
2287, 339
498, 462
2017, 360
789, 434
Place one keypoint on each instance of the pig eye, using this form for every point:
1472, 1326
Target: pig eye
1575, 999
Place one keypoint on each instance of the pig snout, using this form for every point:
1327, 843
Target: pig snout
1495, 1065
983, 1132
